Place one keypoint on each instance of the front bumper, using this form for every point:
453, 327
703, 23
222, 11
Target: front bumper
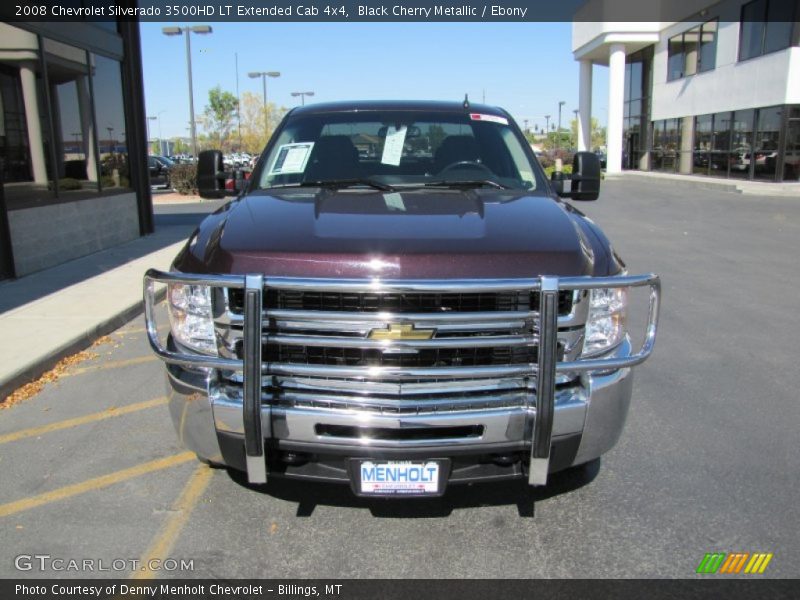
588, 420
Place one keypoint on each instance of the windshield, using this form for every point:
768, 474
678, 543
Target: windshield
399, 149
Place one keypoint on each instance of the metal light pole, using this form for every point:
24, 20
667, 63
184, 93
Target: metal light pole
264, 75
302, 96
149, 141
575, 112
201, 29
160, 139
558, 137
547, 126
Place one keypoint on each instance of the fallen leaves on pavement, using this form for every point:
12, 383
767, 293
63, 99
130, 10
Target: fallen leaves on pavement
29, 390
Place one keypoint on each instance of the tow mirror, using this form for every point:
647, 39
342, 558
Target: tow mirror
585, 176
210, 174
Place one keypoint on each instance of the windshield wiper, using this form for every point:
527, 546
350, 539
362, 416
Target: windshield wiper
345, 183
468, 184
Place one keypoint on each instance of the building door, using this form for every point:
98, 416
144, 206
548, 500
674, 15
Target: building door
631, 158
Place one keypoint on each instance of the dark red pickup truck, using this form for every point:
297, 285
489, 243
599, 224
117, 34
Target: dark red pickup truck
399, 299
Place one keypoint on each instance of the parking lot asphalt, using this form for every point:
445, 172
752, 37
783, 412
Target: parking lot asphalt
92, 469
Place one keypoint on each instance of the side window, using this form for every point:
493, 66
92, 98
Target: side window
766, 26
693, 51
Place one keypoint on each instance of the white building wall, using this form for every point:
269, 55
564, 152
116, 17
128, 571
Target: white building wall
793, 80
732, 85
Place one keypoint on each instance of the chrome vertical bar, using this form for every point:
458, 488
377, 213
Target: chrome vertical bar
253, 437
546, 382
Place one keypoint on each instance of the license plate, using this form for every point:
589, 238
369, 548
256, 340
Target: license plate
391, 478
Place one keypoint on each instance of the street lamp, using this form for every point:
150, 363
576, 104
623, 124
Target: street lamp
558, 138
201, 29
302, 96
264, 75
547, 126
160, 139
577, 126
148, 131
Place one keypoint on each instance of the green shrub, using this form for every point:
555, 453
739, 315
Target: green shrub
567, 170
66, 184
183, 178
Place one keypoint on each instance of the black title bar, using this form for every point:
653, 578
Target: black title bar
396, 589
375, 11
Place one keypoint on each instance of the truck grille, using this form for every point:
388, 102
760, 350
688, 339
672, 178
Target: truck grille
438, 357
401, 303
476, 350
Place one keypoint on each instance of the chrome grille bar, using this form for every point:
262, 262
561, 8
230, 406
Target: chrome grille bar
324, 316
399, 373
251, 407
389, 345
383, 286
546, 383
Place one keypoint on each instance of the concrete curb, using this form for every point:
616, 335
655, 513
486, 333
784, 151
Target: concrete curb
31, 371
71, 319
736, 186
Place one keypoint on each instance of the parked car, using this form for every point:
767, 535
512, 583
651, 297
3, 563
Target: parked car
399, 323
160, 167
601, 156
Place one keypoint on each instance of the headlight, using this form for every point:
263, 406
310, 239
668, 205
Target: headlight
605, 327
190, 316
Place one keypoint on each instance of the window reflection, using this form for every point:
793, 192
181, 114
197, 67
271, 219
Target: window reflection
703, 133
768, 130
25, 158
110, 120
666, 145
67, 72
791, 162
766, 26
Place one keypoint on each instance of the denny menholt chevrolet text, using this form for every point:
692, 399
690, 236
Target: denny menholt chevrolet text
399, 299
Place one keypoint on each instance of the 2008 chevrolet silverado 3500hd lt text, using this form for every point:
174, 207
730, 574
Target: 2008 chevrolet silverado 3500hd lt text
399, 299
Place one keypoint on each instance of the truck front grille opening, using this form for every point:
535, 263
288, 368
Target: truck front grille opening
409, 434
400, 303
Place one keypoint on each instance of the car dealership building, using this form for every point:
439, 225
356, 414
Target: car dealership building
72, 142
714, 92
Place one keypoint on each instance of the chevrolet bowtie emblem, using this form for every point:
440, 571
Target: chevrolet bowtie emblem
405, 331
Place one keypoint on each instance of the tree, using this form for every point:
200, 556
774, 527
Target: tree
179, 146
220, 113
598, 134
257, 127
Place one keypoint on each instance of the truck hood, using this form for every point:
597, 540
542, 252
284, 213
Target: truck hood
410, 234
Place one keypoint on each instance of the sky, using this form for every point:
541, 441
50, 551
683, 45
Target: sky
526, 68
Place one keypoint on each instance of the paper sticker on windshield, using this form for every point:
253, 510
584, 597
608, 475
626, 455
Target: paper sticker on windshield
292, 158
490, 118
393, 146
